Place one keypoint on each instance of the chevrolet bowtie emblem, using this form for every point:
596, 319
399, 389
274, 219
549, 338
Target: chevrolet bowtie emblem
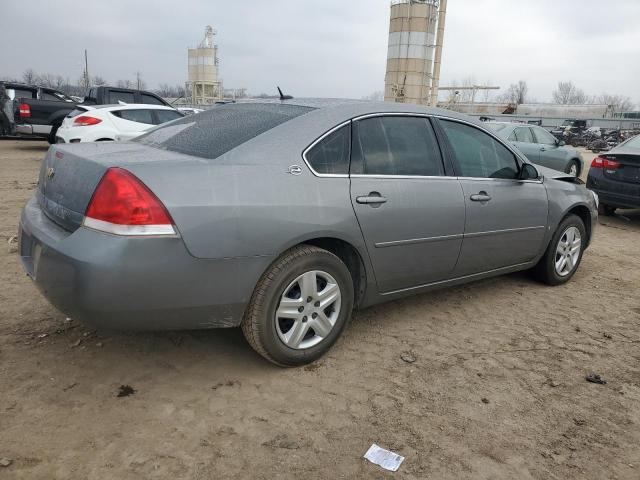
50, 172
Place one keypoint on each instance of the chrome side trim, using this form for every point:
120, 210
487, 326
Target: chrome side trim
451, 280
419, 240
404, 177
315, 142
499, 232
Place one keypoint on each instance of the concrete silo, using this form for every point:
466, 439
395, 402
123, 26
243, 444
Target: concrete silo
412, 45
204, 85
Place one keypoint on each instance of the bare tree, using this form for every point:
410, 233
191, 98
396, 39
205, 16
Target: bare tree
516, 93
620, 103
29, 76
97, 80
568, 94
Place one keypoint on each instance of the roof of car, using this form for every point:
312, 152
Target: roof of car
353, 108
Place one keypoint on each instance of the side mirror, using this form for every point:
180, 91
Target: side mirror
529, 172
561, 143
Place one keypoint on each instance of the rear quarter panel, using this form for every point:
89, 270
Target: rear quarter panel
246, 203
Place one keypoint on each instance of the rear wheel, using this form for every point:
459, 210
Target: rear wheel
564, 253
299, 307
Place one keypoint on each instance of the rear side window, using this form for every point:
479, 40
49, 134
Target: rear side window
396, 145
139, 116
23, 93
477, 154
331, 154
165, 116
215, 132
116, 96
151, 100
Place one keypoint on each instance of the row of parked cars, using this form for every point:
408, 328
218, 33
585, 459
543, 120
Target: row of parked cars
105, 114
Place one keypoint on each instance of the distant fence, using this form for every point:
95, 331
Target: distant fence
552, 122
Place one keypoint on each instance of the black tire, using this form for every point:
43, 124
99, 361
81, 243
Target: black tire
606, 210
571, 164
259, 322
52, 135
545, 270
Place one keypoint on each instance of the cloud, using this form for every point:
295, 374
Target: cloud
329, 48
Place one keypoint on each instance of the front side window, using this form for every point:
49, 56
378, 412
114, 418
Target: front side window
331, 154
139, 116
477, 154
396, 145
544, 137
522, 135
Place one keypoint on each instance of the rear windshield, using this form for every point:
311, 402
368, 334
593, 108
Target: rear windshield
215, 132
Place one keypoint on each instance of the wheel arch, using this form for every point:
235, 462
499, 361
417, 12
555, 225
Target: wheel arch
583, 212
348, 253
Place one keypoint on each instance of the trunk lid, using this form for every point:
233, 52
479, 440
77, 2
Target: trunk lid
629, 169
70, 174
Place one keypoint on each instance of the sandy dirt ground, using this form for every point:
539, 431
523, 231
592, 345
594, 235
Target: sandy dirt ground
497, 390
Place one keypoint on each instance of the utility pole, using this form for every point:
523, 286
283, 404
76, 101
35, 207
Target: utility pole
86, 69
138, 79
437, 62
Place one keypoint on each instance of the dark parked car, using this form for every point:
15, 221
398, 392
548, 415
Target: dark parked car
615, 177
42, 116
281, 217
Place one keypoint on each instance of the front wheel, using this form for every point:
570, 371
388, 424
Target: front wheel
573, 168
299, 307
564, 253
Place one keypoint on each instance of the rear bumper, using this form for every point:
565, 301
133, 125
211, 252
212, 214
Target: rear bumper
133, 283
614, 193
37, 130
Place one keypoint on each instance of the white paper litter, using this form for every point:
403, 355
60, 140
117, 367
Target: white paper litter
386, 459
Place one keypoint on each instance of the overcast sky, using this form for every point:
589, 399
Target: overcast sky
329, 48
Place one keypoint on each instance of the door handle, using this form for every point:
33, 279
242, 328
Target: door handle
481, 197
374, 199
543, 149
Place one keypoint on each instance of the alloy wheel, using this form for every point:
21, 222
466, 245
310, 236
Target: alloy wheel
308, 310
568, 251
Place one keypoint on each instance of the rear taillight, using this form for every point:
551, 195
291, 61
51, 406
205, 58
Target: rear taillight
606, 163
123, 205
25, 110
85, 121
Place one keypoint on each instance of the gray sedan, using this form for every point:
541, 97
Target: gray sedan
540, 147
283, 217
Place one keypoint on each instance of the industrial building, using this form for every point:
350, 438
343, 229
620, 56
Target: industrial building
204, 86
416, 32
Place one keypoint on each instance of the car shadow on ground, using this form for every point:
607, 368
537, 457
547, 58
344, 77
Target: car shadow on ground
622, 219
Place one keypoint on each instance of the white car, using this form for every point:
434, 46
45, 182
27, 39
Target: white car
96, 123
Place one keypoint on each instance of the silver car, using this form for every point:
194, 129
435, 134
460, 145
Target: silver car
540, 147
283, 217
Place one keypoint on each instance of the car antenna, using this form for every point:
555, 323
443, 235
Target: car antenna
283, 96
